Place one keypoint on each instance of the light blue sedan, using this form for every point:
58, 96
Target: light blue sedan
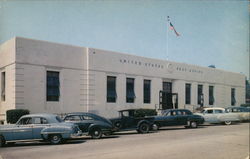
46, 127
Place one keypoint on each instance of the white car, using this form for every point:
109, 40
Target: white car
218, 115
243, 112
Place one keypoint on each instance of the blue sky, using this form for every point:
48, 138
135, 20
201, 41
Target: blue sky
212, 31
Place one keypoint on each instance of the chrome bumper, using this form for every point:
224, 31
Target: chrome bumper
76, 135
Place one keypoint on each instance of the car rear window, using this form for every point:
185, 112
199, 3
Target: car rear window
59, 119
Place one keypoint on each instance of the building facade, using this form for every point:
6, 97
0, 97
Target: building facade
56, 78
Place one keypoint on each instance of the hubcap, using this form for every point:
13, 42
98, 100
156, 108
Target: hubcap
96, 133
55, 138
193, 124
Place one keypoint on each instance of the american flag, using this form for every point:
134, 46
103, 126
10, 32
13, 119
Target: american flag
172, 28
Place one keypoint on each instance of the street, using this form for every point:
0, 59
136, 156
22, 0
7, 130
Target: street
206, 142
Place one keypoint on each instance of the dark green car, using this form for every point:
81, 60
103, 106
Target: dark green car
135, 119
178, 117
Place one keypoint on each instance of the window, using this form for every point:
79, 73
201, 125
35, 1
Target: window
187, 112
85, 117
188, 94
130, 94
25, 121
217, 111
200, 95
73, 118
40, 121
209, 111
111, 89
146, 91
167, 86
233, 100
211, 95
53, 86
3, 85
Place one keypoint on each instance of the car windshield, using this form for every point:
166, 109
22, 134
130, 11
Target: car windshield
166, 112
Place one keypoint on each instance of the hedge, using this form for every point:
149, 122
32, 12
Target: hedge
245, 105
145, 112
14, 114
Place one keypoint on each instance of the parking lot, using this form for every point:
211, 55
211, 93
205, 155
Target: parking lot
217, 141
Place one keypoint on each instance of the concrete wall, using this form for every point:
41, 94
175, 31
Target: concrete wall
105, 63
7, 65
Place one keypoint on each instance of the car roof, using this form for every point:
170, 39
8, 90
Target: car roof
235, 107
40, 115
51, 118
84, 113
212, 108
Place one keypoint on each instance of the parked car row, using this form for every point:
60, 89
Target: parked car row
50, 127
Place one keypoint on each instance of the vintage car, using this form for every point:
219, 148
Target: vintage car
177, 117
129, 120
47, 127
218, 115
90, 124
243, 112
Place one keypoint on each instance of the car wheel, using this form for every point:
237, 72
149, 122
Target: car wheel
228, 122
144, 128
193, 124
2, 141
96, 133
55, 139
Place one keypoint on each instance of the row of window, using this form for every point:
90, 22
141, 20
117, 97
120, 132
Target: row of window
130, 92
53, 90
200, 99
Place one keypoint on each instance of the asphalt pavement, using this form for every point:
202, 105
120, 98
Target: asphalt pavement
206, 142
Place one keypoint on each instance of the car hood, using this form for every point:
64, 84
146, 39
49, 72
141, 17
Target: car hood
7, 126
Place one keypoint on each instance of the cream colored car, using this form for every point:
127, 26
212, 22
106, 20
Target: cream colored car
243, 112
218, 115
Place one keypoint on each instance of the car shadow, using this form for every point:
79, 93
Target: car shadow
179, 128
102, 138
218, 124
42, 143
132, 133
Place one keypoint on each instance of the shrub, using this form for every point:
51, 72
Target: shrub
14, 114
245, 105
145, 112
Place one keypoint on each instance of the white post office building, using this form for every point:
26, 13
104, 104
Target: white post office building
49, 77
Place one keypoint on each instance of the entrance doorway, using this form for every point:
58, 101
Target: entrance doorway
167, 99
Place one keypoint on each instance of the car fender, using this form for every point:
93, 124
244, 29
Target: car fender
143, 121
63, 131
92, 126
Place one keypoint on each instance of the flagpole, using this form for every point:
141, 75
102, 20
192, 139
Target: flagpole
167, 38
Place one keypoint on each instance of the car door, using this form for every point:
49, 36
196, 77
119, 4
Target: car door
181, 117
128, 120
210, 117
78, 120
23, 129
169, 118
39, 124
86, 121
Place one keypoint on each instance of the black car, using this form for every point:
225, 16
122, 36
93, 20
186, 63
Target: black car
90, 124
134, 119
176, 117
